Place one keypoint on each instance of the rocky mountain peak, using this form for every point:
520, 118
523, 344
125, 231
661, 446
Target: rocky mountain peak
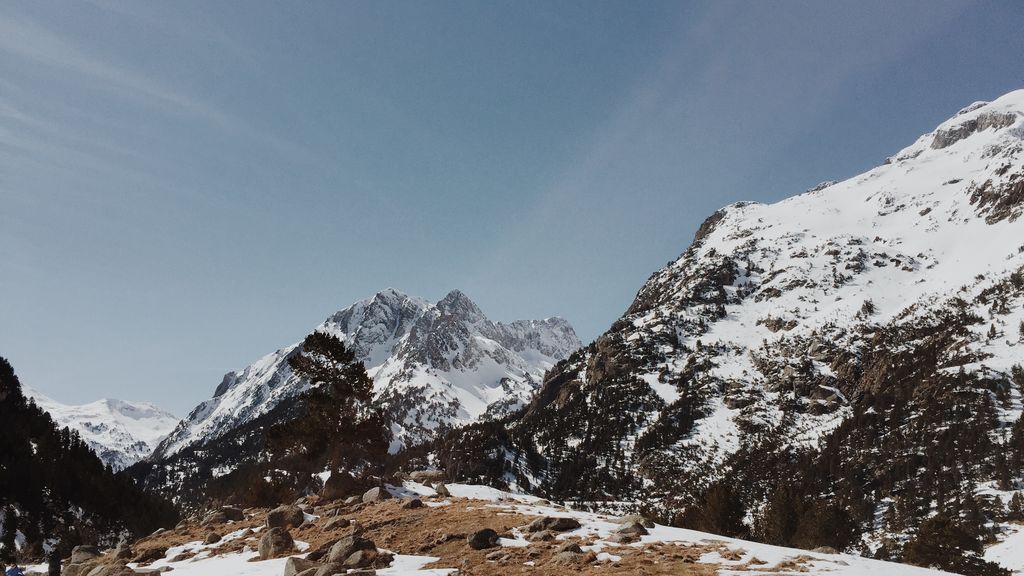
433, 365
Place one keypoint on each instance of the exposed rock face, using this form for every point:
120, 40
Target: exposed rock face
827, 344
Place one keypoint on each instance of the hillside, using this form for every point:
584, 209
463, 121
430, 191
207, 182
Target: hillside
120, 433
835, 368
415, 531
54, 491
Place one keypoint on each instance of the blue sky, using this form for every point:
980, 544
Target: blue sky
186, 186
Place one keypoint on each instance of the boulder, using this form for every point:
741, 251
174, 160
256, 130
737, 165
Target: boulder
558, 524
645, 522
573, 547
353, 500
215, 517
497, 556
84, 553
150, 555
233, 514
574, 558
337, 523
110, 570
361, 558
81, 569
285, 517
376, 494
345, 547
483, 539
331, 569
632, 527
295, 565
425, 476
542, 536
212, 538
275, 542
339, 485
413, 504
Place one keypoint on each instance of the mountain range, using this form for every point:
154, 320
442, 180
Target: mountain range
841, 368
121, 433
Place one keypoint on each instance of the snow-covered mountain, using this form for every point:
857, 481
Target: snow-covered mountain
859, 344
434, 366
121, 433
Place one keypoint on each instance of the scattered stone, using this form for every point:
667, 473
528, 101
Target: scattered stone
542, 536
215, 517
361, 558
570, 547
574, 558
295, 565
424, 476
632, 527
275, 541
645, 522
110, 570
558, 524
353, 500
212, 538
345, 547
376, 494
498, 556
233, 514
285, 517
148, 555
413, 504
482, 539
331, 569
623, 538
337, 523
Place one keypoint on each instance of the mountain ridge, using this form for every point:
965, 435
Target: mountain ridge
785, 349
120, 432
433, 365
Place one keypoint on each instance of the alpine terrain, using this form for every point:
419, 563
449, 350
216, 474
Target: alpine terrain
434, 366
841, 368
121, 433
54, 491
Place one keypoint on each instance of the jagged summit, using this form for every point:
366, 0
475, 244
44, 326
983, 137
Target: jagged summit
434, 366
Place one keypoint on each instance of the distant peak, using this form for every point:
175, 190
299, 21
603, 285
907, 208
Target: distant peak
455, 302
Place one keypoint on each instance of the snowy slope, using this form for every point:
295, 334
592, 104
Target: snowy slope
878, 318
722, 556
433, 365
121, 433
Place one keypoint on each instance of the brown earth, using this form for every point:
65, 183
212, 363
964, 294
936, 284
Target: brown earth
441, 532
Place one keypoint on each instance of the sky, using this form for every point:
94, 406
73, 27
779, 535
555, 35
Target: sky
187, 186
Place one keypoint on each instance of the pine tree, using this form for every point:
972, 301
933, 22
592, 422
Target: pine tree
338, 426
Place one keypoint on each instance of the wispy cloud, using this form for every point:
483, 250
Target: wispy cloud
28, 40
